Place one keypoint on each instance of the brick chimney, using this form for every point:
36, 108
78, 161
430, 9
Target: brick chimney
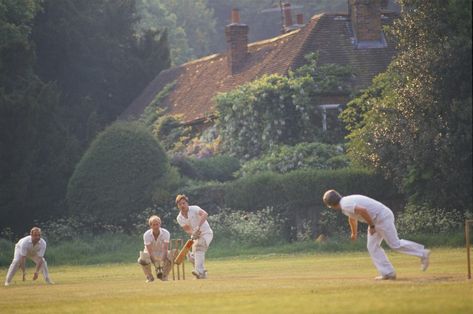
300, 19
287, 15
365, 17
237, 42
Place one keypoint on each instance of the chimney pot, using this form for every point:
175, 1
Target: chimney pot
235, 16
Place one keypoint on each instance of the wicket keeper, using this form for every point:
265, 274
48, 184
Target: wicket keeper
193, 220
381, 227
156, 244
32, 247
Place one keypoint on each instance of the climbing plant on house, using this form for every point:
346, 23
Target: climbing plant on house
278, 109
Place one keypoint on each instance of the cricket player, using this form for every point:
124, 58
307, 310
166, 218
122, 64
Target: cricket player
193, 220
381, 227
33, 247
156, 243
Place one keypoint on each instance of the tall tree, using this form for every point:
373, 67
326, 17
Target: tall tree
91, 64
33, 145
91, 49
190, 24
415, 123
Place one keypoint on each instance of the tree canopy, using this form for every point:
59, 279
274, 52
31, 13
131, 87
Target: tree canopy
67, 70
415, 123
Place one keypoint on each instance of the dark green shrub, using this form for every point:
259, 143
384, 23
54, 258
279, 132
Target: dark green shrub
219, 168
253, 192
118, 174
297, 195
210, 195
185, 167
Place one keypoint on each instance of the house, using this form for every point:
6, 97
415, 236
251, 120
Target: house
355, 39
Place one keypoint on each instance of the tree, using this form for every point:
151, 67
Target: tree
190, 24
118, 174
35, 151
415, 123
91, 49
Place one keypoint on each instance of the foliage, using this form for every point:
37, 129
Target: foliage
36, 152
426, 220
417, 121
208, 195
248, 228
171, 133
190, 24
154, 110
297, 195
285, 158
91, 49
118, 174
276, 110
218, 168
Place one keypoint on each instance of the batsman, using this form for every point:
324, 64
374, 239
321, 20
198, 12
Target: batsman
156, 241
193, 220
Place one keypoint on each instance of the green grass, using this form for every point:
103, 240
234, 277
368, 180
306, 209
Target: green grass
274, 283
123, 248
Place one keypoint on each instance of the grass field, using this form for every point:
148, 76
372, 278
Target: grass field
318, 283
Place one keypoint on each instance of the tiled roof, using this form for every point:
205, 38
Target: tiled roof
197, 82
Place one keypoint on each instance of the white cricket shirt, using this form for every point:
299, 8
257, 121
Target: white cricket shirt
156, 244
26, 248
193, 220
376, 210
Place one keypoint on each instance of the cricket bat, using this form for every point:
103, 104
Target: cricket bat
182, 254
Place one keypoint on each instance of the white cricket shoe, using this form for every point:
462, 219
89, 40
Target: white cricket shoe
7, 284
49, 281
425, 260
199, 275
386, 277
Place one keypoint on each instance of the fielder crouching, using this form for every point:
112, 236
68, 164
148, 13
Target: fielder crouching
33, 247
156, 243
193, 220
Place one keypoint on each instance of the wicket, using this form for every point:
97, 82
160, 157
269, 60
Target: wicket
175, 246
468, 223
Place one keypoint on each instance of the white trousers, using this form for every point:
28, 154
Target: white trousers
15, 265
385, 230
199, 248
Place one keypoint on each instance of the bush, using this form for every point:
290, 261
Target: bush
117, 175
219, 168
286, 158
248, 228
6, 252
425, 220
297, 195
210, 196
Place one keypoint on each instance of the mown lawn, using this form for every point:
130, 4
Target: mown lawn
303, 283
